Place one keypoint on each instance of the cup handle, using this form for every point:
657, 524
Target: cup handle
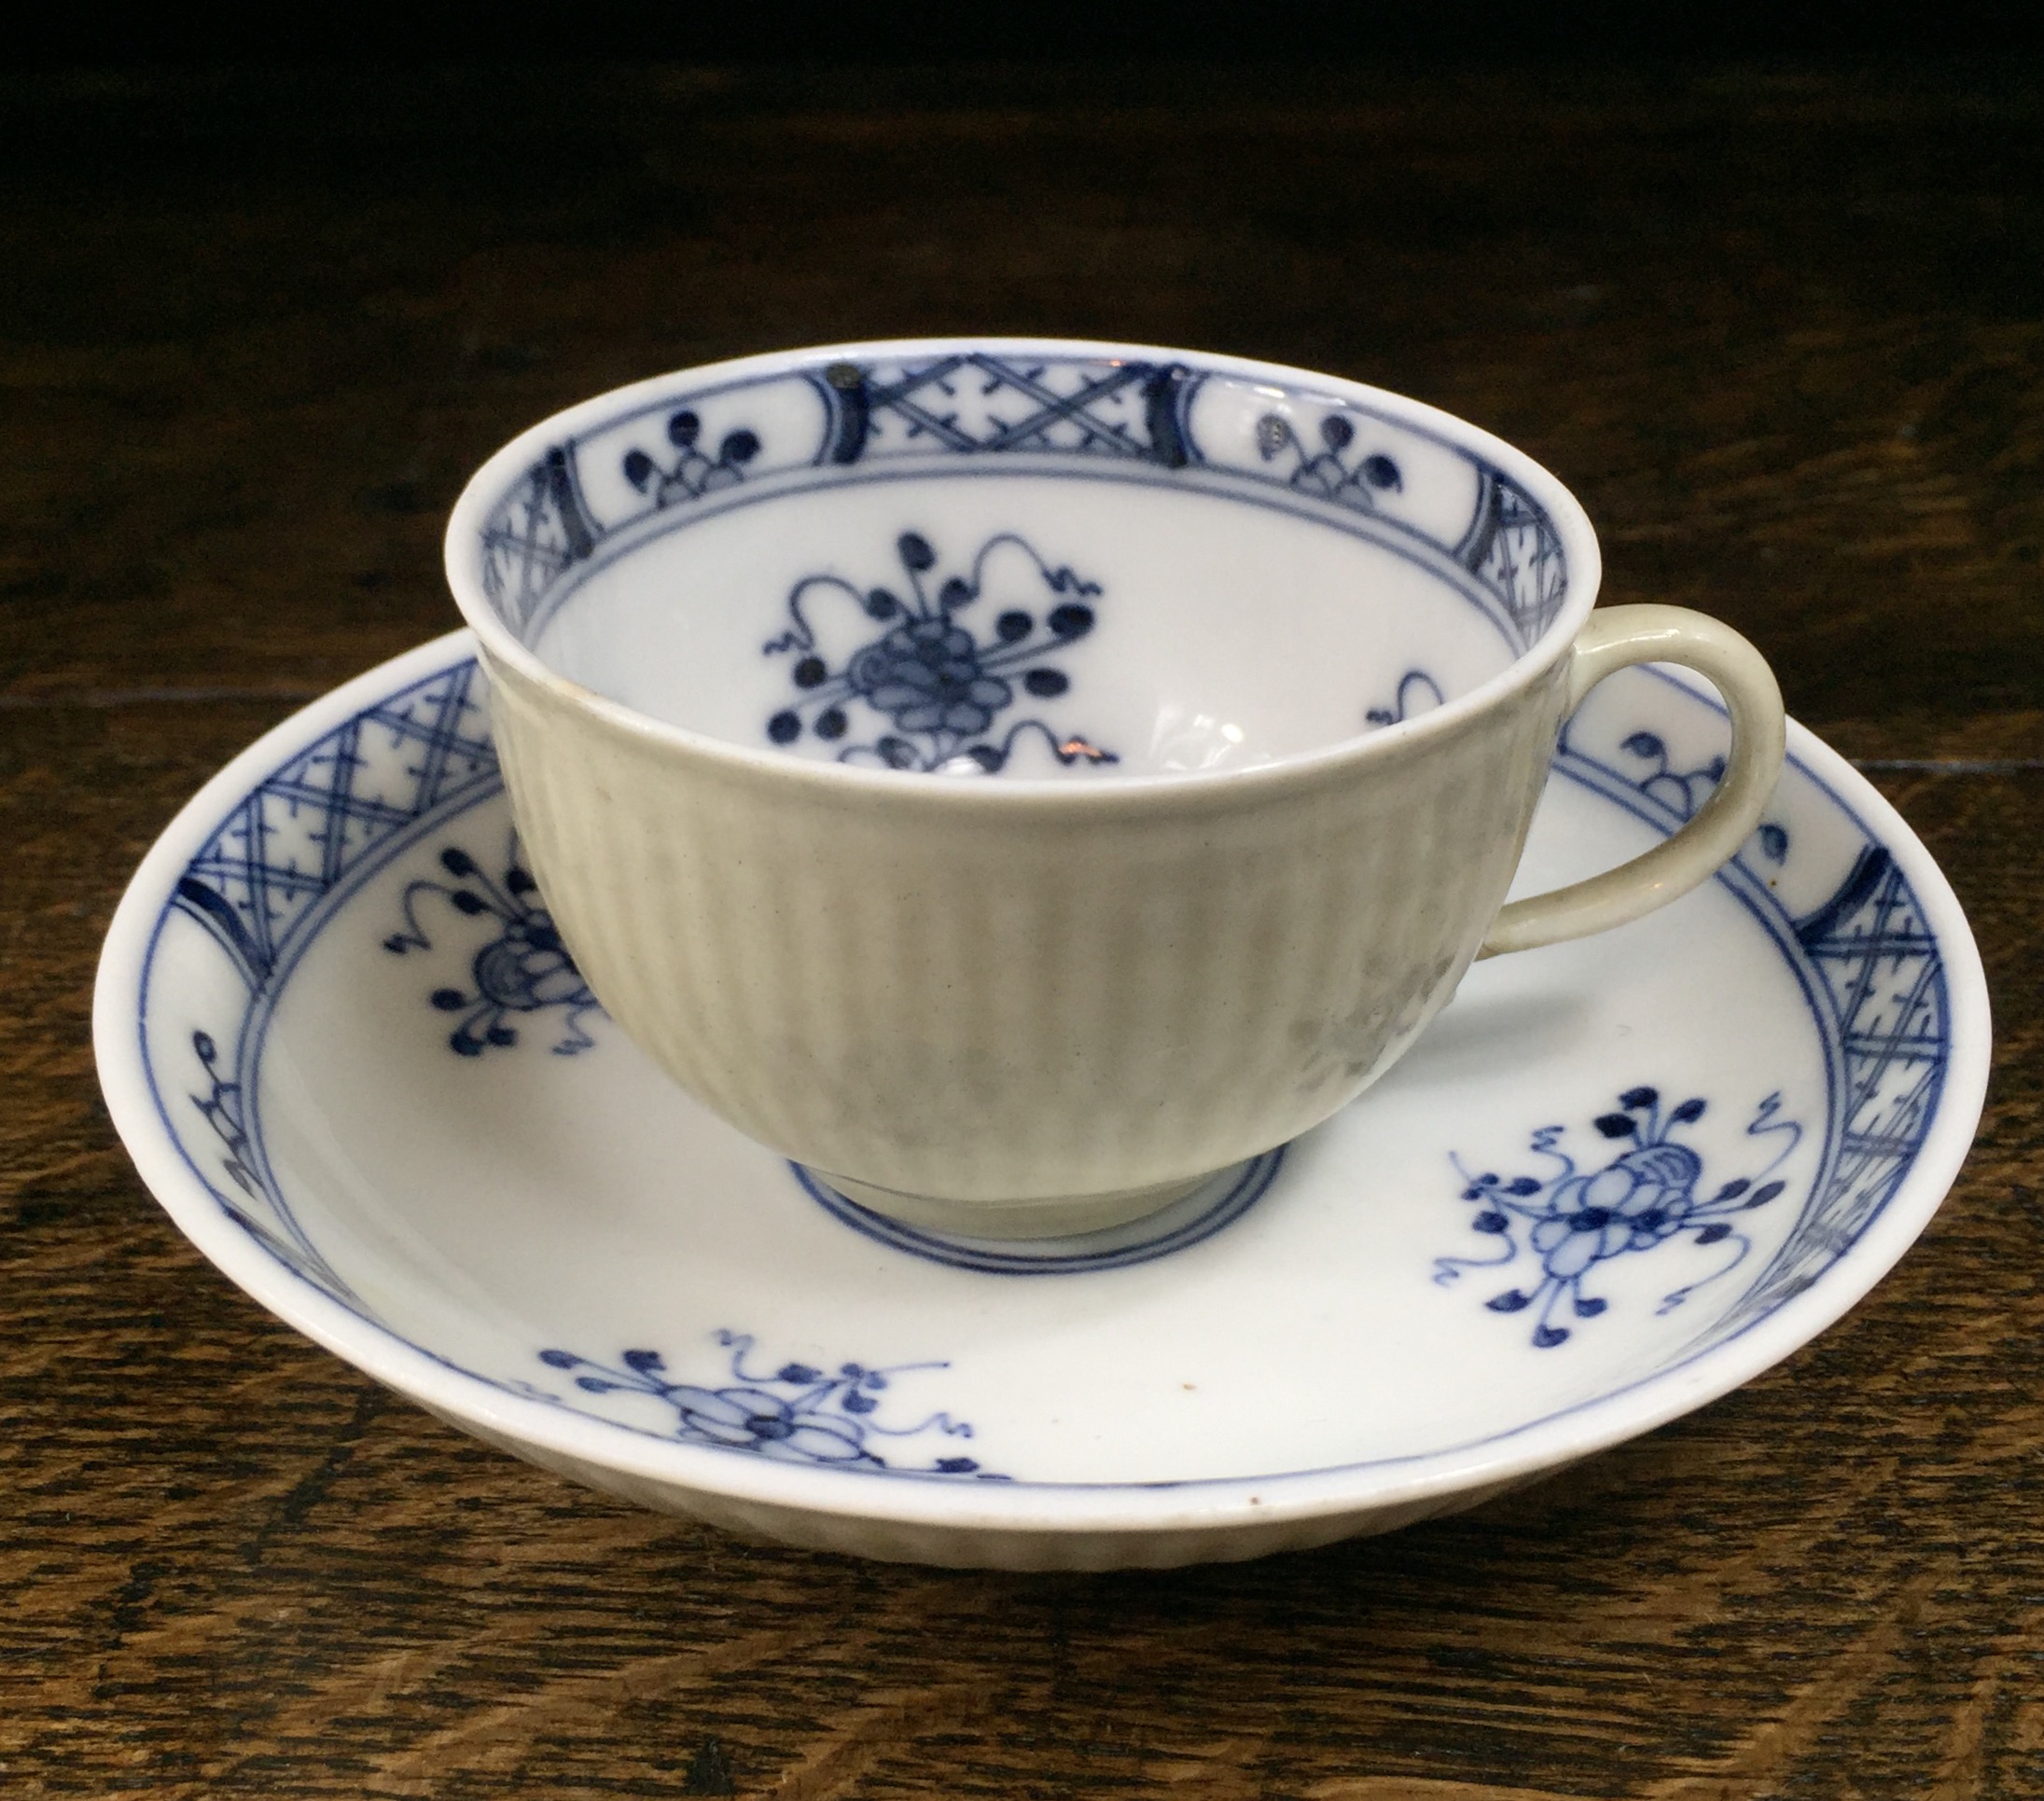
1614, 639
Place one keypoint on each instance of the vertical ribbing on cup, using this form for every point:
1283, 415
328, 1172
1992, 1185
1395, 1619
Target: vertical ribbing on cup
1208, 971
1035, 1013
647, 911
944, 953
695, 952
955, 998
1160, 963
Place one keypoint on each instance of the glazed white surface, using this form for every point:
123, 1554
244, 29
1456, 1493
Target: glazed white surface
588, 1203
1229, 633
459, 1215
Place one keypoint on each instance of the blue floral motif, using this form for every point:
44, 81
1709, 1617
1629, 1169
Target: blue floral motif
1686, 790
935, 682
1418, 692
1326, 472
1571, 1220
694, 472
794, 1414
526, 969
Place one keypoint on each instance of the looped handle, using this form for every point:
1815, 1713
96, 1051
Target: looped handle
1614, 639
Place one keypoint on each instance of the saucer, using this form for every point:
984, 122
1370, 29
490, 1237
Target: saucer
1615, 1180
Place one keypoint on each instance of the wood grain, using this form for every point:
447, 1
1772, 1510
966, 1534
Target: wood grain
1782, 332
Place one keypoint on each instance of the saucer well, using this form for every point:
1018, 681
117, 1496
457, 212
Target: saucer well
1616, 1179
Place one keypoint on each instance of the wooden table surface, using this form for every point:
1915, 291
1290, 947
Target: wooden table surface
1782, 332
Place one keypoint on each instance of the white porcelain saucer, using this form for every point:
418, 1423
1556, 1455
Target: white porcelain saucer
1616, 1178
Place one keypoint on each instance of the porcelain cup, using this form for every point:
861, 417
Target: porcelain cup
1019, 778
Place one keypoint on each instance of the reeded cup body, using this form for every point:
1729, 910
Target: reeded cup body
1019, 779
958, 995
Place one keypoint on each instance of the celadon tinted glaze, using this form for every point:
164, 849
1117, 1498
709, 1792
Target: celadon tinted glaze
902, 987
1019, 779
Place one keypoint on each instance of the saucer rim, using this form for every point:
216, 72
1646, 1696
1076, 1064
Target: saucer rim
905, 1499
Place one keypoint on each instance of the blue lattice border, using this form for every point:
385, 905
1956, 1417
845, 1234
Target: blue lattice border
288, 852
1318, 451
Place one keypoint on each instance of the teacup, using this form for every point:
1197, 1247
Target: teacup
1019, 779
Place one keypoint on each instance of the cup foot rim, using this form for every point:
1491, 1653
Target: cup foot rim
1052, 1217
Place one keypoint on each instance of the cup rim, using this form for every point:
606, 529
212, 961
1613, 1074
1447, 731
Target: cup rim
486, 486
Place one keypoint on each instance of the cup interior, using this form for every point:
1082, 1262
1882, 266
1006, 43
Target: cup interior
983, 563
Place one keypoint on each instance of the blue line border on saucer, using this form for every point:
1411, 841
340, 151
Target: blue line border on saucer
1072, 1256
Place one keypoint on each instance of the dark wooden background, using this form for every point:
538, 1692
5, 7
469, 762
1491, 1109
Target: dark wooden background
1781, 329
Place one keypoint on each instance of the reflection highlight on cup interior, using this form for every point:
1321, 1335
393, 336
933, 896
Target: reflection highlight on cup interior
1183, 740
